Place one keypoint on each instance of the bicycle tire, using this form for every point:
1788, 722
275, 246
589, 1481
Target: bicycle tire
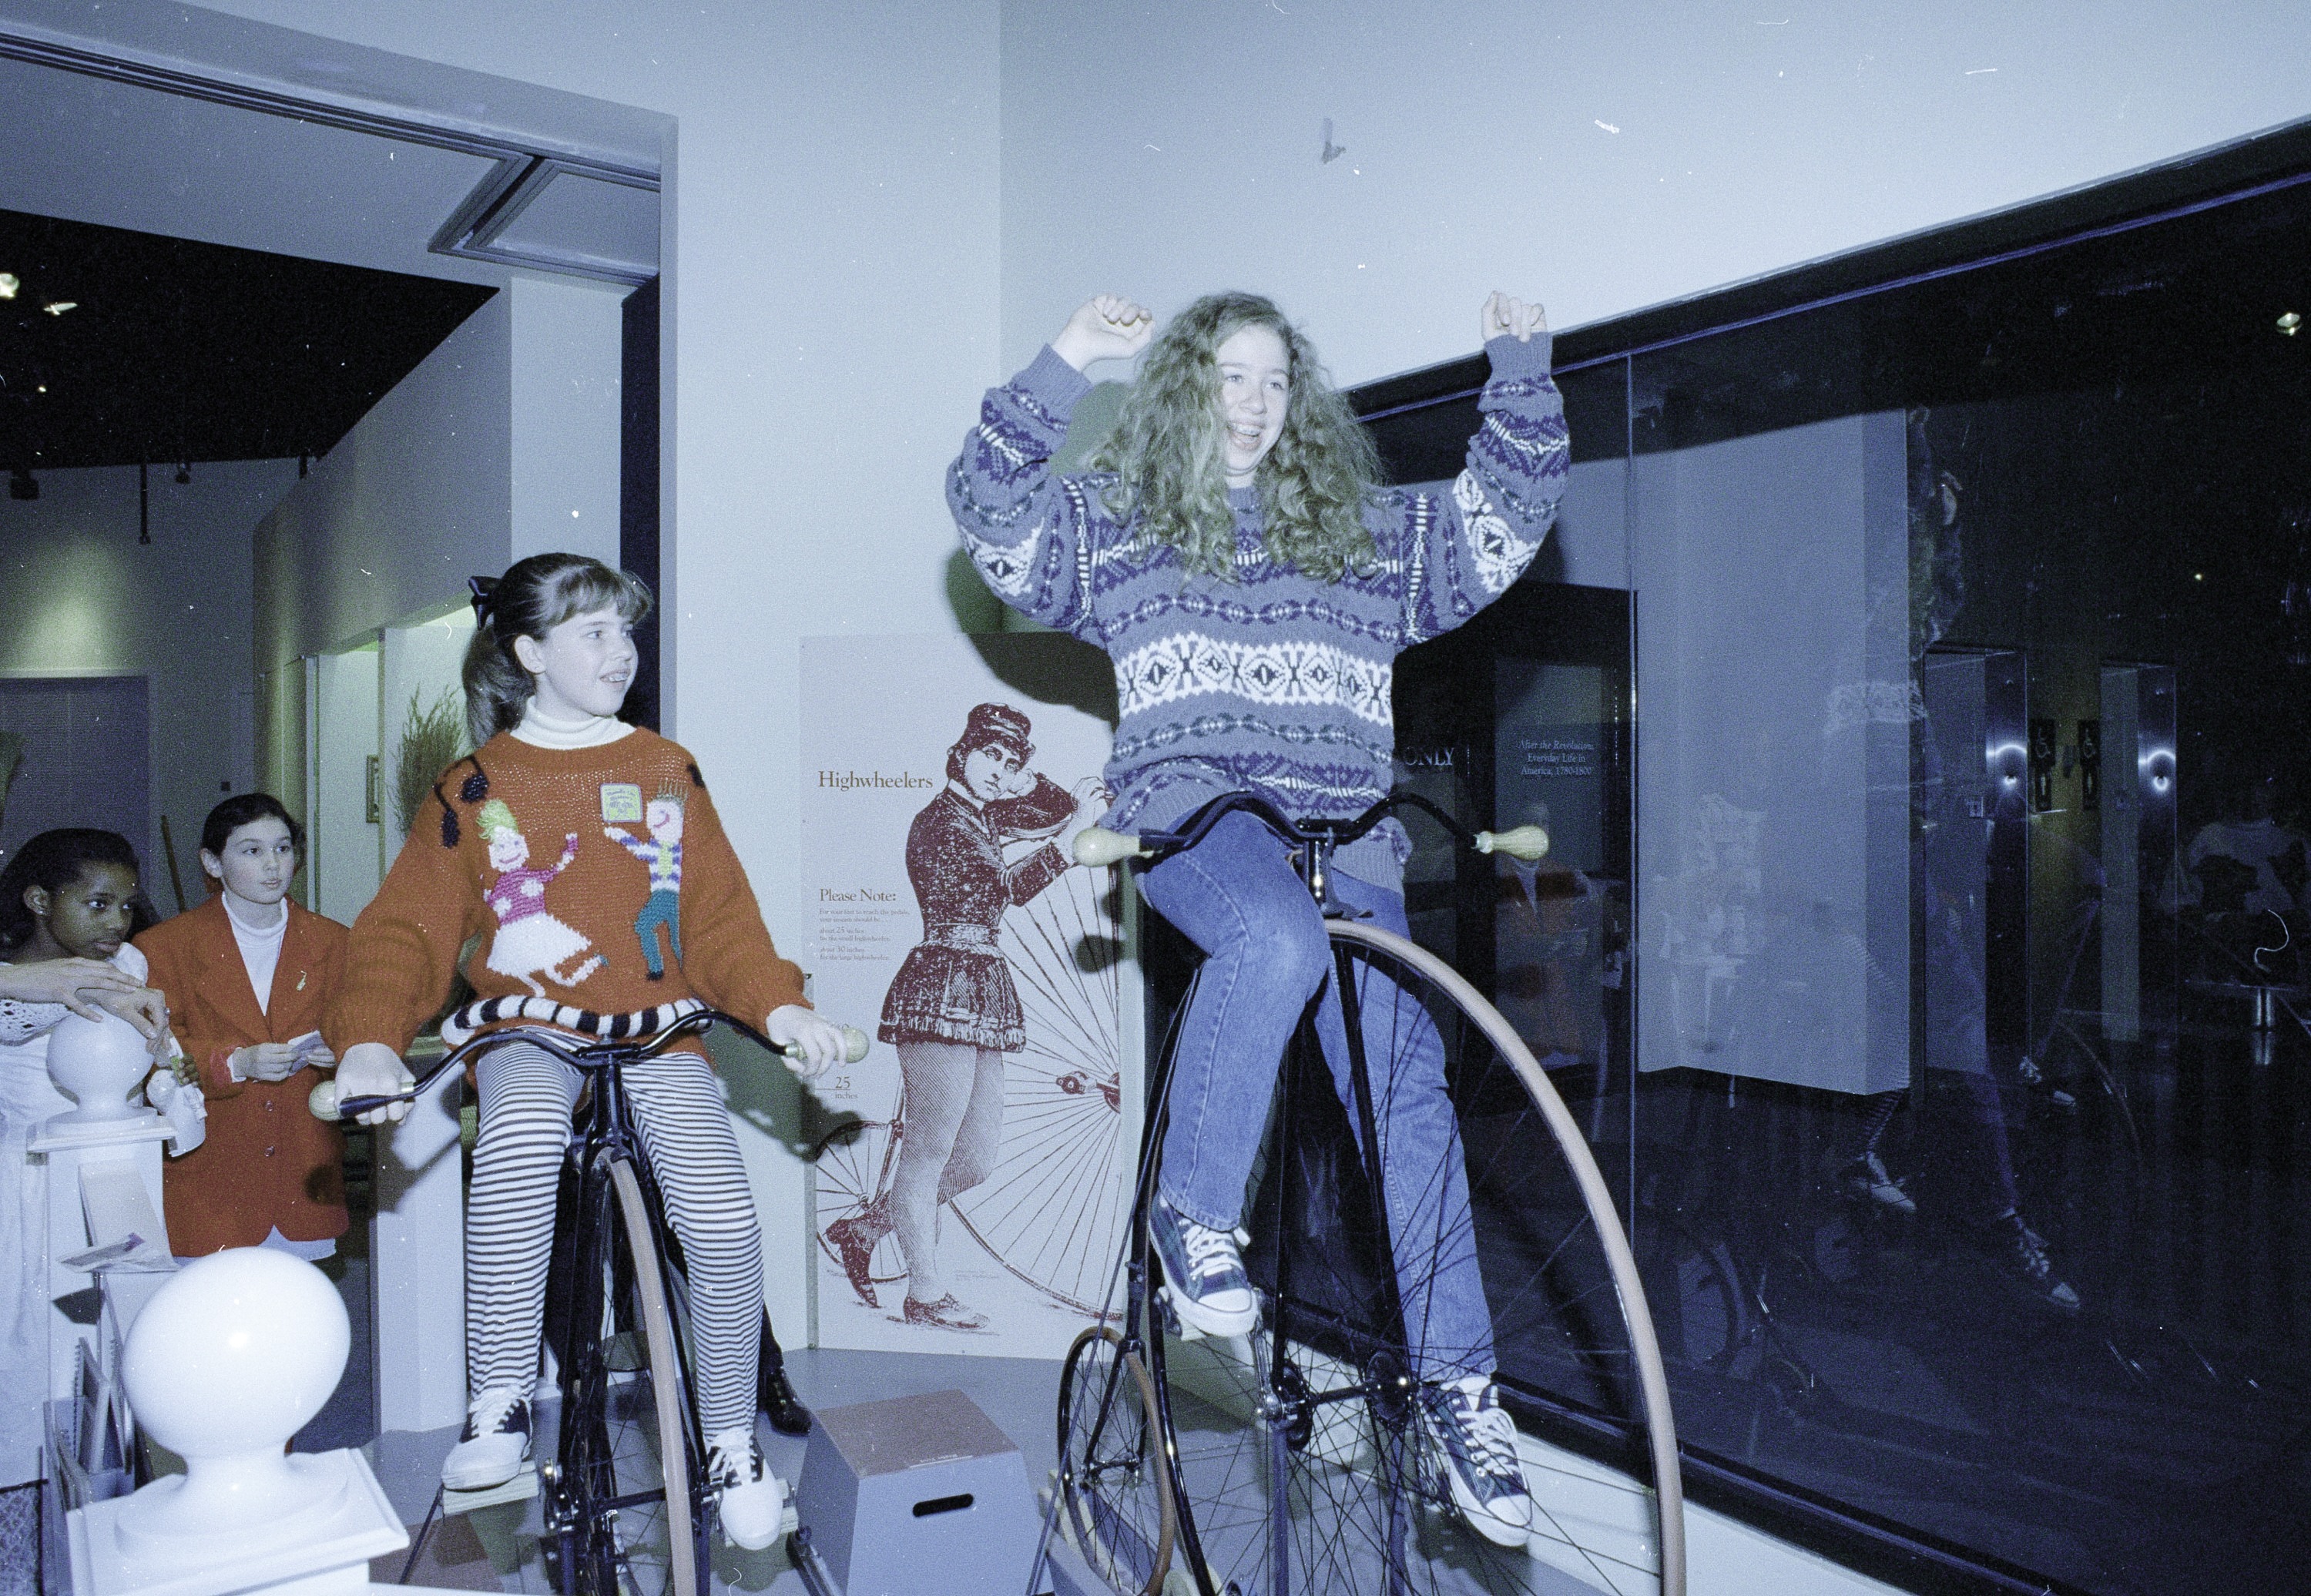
1053, 1208
1115, 1483
1321, 1411
630, 1508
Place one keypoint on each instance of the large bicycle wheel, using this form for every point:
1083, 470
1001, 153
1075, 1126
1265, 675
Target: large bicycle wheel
1054, 1209
1303, 1457
628, 1491
1115, 1489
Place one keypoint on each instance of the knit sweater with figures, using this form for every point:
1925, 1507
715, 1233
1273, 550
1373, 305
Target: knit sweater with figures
562, 860
1274, 682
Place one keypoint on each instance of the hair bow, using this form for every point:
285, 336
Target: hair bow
485, 598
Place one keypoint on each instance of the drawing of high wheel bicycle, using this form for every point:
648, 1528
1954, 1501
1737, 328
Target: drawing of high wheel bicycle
1052, 1212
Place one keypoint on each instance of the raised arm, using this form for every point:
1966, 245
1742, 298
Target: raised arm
1462, 552
1029, 531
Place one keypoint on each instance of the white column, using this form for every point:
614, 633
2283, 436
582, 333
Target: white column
133, 1144
417, 1252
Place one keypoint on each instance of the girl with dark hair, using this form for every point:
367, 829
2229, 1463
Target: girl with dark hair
570, 939
952, 1011
66, 897
1252, 586
248, 974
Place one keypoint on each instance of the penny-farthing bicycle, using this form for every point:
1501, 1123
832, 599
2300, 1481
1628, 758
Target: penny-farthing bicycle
1297, 1461
1053, 1208
628, 1506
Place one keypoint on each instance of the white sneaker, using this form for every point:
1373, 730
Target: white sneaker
753, 1500
495, 1442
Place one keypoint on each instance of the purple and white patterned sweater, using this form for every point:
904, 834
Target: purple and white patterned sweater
1276, 682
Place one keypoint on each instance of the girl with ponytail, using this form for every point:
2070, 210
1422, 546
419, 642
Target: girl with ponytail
586, 856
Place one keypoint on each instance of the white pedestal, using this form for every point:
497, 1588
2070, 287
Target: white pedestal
324, 1553
418, 1256
97, 1174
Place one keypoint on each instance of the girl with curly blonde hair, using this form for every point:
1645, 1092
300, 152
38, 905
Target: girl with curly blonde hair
1252, 584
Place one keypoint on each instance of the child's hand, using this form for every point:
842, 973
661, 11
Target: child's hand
76, 983
265, 1061
372, 1069
141, 1006
807, 1033
1108, 327
1506, 318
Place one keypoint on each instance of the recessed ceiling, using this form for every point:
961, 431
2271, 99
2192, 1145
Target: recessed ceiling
258, 254
123, 155
175, 351
284, 166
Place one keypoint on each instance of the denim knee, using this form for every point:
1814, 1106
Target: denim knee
1285, 949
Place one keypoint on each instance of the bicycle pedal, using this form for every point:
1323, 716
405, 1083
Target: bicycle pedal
1173, 1326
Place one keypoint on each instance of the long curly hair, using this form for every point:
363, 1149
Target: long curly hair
1168, 452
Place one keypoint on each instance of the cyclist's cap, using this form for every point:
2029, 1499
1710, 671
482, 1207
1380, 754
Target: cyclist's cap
997, 725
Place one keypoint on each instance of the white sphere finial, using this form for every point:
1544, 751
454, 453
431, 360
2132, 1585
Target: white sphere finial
228, 1361
96, 1063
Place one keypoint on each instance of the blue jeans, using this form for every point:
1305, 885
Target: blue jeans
1235, 895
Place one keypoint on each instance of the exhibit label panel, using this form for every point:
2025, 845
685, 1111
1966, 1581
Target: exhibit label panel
970, 1175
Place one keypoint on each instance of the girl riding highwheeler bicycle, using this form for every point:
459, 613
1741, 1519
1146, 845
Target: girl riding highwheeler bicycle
587, 854
1253, 587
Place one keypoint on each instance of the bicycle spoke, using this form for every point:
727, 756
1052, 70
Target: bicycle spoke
1491, 1236
624, 1496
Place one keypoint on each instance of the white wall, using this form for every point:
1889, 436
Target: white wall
1167, 150
564, 398
85, 598
830, 315
411, 502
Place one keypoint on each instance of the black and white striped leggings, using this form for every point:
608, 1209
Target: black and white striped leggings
528, 1096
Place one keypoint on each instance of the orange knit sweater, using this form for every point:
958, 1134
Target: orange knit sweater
584, 870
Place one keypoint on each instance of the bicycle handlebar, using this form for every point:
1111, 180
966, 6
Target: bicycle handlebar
596, 1055
1095, 846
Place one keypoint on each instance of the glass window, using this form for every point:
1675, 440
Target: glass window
1917, 693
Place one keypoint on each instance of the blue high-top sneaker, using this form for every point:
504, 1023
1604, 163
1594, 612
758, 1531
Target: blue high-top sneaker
1210, 1289
1478, 1440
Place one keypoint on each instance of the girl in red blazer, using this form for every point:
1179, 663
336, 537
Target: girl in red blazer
246, 975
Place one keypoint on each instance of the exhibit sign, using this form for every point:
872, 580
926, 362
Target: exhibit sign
970, 1175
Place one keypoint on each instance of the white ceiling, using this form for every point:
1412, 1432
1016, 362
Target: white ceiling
101, 137
119, 155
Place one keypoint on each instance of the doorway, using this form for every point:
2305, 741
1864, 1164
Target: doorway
86, 760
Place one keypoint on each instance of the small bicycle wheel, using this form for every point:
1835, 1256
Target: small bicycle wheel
1115, 1489
1304, 1456
628, 1492
854, 1162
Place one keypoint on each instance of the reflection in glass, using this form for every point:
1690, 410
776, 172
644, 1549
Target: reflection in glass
1962, 879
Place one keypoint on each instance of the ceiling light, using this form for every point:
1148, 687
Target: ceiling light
9, 283
22, 485
2290, 322
58, 307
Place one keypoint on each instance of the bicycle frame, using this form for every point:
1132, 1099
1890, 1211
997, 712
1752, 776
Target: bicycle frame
606, 1147
1314, 842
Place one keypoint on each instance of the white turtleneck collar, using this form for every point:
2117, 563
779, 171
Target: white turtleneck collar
248, 919
586, 731
261, 944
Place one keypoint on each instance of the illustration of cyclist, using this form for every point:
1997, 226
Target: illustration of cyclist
953, 1010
